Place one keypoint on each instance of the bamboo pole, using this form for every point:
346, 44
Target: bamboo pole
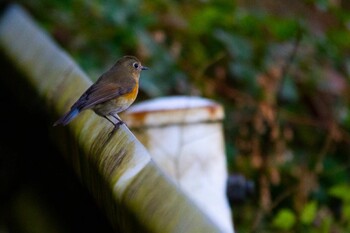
126, 183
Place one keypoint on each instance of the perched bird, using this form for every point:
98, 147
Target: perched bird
113, 92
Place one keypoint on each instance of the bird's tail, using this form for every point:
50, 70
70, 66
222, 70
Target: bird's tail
66, 118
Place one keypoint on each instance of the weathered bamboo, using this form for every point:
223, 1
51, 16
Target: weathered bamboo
135, 195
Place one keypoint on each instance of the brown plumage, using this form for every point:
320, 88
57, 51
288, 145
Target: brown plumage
113, 92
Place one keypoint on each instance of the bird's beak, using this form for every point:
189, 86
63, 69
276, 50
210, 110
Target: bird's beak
144, 68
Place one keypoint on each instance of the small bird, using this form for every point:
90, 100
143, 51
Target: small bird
113, 92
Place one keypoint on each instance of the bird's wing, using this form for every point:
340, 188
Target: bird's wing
101, 92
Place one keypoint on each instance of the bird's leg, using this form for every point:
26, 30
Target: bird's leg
119, 123
109, 120
115, 124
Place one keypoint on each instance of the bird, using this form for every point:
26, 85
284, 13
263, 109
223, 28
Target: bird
113, 92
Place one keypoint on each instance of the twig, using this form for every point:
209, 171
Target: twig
287, 65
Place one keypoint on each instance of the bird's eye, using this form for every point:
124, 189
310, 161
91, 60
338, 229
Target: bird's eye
135, 65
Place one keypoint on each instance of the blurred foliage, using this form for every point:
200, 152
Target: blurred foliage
280, 68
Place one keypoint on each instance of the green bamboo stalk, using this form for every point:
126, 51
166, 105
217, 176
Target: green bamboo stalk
129, 187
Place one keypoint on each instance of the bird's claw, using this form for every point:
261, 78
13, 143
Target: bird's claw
116, 127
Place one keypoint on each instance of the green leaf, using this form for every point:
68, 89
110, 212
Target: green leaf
309, 213
326, 225
289, 90
237, 46
283, 29
341, 191
346, 212
285, 219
